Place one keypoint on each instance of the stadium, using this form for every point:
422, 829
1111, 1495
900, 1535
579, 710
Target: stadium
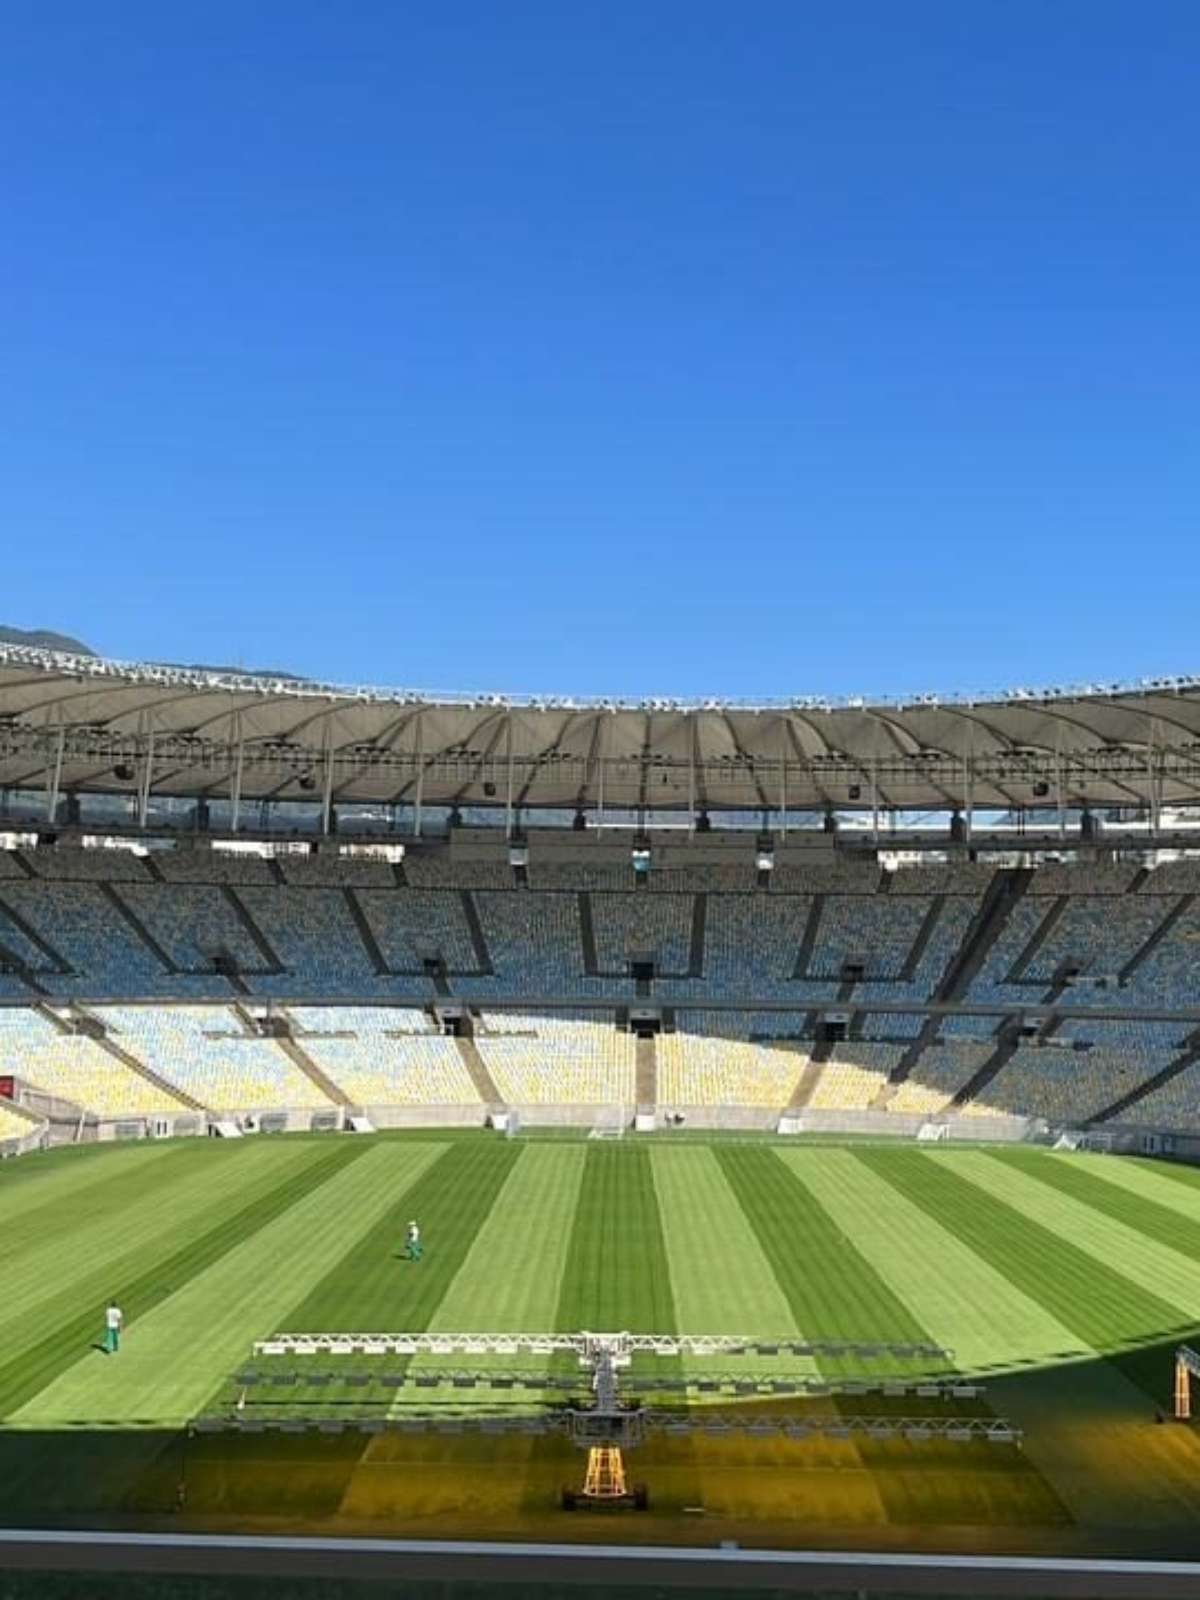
797, 1106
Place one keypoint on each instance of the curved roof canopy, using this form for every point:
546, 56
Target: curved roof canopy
106, 726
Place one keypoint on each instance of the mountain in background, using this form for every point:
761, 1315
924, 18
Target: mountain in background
44, 639
47, 639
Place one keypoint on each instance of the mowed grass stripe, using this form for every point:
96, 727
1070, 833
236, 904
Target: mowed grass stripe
177, 1197
69, 1178
176, 1355
370, 1288
1174, 1173
721, 1281
89, 1262
1156, 1268
1102, 1308
617, 1273
126, 1192
1157, 1180
832, 1289
618, 1276
142, 1283
1120, 1187
511, 1276
962, 1301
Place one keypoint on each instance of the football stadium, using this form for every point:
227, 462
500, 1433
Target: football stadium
753, 1127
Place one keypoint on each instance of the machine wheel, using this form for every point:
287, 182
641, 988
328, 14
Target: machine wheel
568, 1499
641, 1497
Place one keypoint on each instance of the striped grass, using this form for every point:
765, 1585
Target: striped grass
618, 1273
833, 1291
1100, 1306
178, 1352
1151, 1180
37, 1188
140, 1279
1097, 1184
511, 1277
1146, 1262
103, 1208
721, 1280
958, 1298
370, 1288
106, 1246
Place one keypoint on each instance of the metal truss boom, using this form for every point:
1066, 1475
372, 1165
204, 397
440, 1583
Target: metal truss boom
588, 1346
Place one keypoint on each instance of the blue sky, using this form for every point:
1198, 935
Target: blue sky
681, 349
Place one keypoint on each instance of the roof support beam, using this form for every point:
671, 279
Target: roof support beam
239, 763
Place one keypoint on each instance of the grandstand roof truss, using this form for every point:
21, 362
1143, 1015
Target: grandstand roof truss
79, 723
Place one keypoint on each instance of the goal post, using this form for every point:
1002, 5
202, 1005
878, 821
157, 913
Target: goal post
933, 1132
609, 1122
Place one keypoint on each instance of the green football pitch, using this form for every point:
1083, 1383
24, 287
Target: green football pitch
1061, 1283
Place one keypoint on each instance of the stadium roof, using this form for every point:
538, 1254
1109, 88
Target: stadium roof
106, 726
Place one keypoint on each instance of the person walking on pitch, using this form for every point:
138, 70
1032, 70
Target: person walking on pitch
412, 1247
114, 1321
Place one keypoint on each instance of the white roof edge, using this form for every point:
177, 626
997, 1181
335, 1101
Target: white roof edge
68, 664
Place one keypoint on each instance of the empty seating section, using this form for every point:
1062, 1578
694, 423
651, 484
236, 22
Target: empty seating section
370, 1020
853, 1077
13, 1125
1057, 878
87, 866
585, 875
543, 1059
432, 872
391, 1057
705, 879
877, 933
205, 1051
833, 877
105, 954
941, 1070
419, 922
195, 923
16, 946
336, 872
1170, 974
955, 913
632, 924
887, 1024
967, 878
1175, 1105
1097, 935
1151, 1043
314, 936
1173, 877
77, 1069
213, 866
536, 945
708, 1062
989, 985
751, 943
1059, 1084
107, 926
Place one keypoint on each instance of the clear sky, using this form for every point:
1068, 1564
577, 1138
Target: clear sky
678, 348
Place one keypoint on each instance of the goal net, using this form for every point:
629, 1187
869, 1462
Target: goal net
610, 1123
933, 1132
